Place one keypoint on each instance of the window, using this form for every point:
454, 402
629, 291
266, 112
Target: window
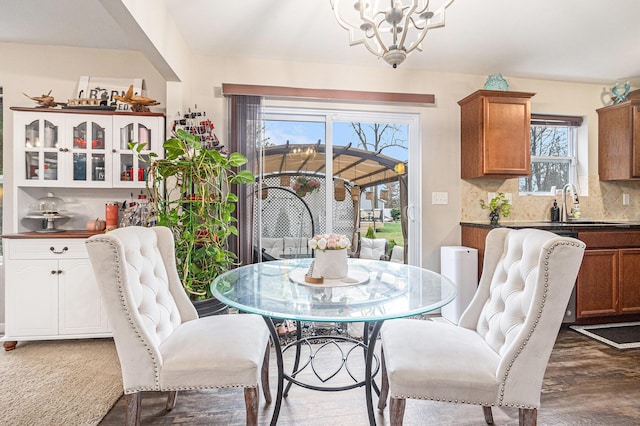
554, 154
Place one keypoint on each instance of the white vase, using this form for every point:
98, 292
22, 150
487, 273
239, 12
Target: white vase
332, 264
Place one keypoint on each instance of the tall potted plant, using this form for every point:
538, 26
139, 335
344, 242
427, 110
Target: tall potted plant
191, 194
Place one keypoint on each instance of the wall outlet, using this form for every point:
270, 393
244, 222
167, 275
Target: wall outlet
439, 198
625, 199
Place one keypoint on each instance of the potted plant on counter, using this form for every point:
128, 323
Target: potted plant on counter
498, 205
190, 190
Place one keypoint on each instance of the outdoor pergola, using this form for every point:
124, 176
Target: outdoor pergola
356, 167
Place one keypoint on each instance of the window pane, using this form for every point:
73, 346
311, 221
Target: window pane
549, 141
552, 156
545, 175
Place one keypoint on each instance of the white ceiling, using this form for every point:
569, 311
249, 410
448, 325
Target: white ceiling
569, 40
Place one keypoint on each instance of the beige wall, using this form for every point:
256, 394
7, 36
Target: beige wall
36, 69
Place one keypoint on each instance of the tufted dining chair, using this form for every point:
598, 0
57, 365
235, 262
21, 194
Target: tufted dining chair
498, 353
161, 343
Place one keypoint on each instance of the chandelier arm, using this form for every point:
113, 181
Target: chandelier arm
371, 21
405, 31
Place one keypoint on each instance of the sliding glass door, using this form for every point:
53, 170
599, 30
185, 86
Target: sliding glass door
325, 171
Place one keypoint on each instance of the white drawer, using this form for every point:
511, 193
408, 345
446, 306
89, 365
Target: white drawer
54, 248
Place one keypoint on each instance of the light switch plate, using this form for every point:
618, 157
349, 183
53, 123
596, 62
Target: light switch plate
625, 199
439, 198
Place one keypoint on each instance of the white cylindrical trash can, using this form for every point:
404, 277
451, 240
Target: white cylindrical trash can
460, 265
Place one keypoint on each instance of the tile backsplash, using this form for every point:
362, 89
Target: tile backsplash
604, 201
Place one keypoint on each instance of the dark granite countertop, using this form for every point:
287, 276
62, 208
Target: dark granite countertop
570, 226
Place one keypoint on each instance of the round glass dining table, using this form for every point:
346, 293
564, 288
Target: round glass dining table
372, 292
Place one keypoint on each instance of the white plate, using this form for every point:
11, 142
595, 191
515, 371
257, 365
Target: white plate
352, 278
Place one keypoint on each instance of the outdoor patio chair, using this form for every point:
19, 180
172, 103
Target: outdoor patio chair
397, 254
161, 343
498, 353
373, 248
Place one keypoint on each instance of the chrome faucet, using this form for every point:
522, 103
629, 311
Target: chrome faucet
574, 201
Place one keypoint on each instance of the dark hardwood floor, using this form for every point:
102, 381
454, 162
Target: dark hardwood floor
586, 383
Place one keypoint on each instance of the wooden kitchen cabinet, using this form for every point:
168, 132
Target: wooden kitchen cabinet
50, 291
494, 134
619, 141
608, 283
475, 237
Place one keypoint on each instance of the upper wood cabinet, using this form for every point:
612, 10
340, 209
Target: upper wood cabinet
619, 141
495, 139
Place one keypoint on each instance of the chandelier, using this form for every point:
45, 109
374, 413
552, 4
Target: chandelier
390, 29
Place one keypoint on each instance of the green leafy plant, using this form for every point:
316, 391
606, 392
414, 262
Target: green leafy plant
370, 233
498, 205
190, 190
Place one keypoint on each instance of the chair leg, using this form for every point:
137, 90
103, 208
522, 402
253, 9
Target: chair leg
384, 385
251, 405
396, 411
528, 416
132, 409
171, 400
488, 415
264, 375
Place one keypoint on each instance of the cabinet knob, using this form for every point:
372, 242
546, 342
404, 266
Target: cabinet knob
113, 151
53, 250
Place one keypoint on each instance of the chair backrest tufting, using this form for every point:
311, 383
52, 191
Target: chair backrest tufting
136, 274
512, 297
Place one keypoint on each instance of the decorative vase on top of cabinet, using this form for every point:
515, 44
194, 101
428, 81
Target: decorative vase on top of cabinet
58, 148
494, 134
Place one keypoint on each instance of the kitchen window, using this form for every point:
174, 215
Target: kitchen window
554, 154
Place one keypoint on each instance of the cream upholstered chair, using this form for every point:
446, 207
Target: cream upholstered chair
161, 343
498, 353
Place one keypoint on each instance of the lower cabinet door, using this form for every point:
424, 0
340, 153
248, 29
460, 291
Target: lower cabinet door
32, 298
80, 308
597, 284
629, 281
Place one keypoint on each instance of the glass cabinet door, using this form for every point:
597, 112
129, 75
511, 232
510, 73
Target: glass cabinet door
41, 150
87, 150
130, 169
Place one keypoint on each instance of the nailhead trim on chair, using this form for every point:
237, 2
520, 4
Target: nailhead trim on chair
504, 379
132, 324
156, 370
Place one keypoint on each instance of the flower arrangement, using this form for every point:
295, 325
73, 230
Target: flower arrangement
302, 185
329, 242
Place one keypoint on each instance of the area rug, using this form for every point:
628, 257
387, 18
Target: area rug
63, 382
619, 335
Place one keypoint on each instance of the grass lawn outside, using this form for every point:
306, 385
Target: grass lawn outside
390, 231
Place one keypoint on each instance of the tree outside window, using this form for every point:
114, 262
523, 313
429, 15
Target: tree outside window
553, 154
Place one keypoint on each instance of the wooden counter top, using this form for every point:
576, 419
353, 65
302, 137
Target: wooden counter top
76, 233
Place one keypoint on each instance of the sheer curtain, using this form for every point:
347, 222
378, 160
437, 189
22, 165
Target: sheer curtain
245, 128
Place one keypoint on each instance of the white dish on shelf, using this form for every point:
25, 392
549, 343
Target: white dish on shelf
352, 278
